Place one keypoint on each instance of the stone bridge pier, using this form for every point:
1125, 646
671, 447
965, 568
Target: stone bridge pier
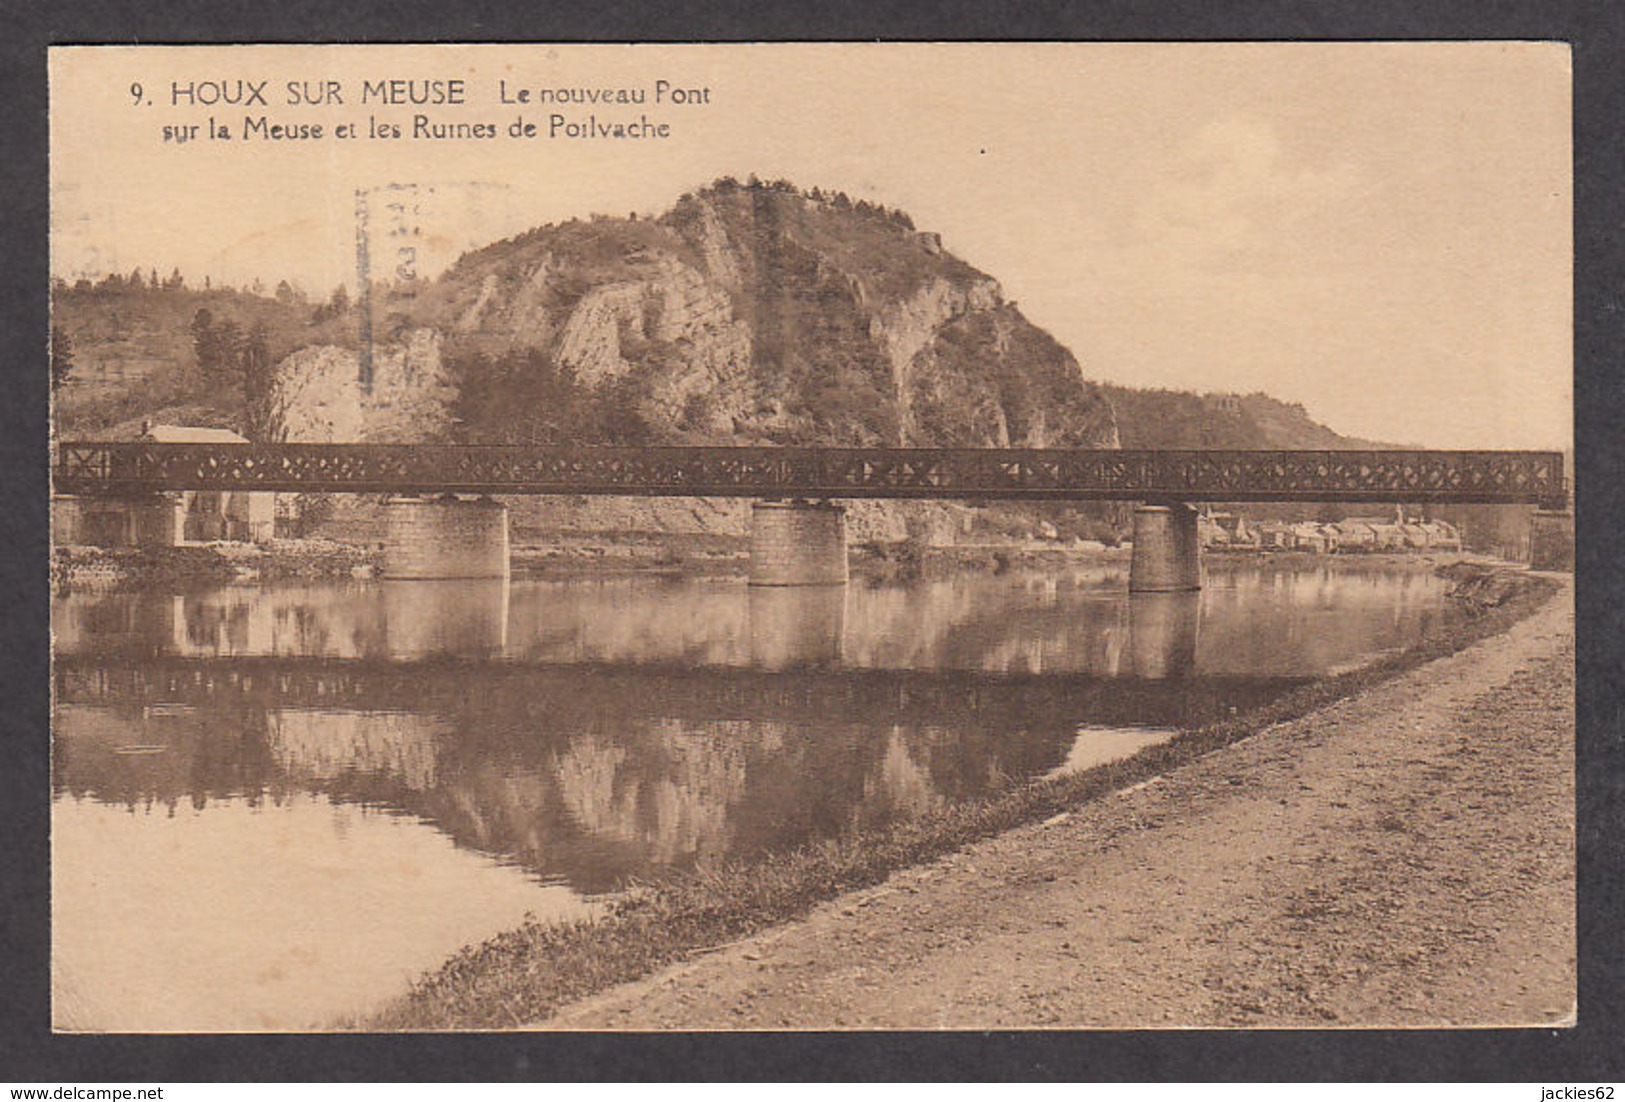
445, 537
129, 520
797, 543
1167, 550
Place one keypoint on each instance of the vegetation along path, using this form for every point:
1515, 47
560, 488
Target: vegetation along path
1403, 857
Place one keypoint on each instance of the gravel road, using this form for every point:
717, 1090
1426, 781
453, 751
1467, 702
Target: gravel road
1402, 858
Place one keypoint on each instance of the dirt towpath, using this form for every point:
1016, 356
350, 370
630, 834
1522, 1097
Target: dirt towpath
1404, 857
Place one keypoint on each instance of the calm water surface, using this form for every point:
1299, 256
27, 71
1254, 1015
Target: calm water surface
272, 806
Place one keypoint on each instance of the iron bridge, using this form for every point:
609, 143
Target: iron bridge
1006, 474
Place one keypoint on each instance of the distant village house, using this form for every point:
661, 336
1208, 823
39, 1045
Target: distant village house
1225, 531
169, 519
1355, 535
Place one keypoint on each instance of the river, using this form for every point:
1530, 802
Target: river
273, 805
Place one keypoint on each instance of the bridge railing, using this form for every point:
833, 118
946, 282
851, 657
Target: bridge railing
1495, 477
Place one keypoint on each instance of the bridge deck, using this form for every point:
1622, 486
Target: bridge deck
1008, 474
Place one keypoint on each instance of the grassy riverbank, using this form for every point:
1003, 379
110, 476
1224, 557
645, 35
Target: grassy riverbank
526, 974
175, 568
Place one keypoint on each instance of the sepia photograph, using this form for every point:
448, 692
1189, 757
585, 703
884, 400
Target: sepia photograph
842, 536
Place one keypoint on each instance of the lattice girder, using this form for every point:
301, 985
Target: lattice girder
1493, 477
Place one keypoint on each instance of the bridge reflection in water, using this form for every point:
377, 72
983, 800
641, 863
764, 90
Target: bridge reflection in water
1162, 633
467, 619
793, 627
586, 747
312, 778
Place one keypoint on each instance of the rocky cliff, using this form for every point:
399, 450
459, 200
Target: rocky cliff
316, 397
749, 314
753, 313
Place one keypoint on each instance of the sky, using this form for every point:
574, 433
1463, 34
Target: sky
1379, 231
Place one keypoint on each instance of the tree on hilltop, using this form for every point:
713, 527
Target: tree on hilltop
202, 329
216, 344
61, 356
336, 306
254, 367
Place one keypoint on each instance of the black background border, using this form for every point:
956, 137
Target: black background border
1594, 1050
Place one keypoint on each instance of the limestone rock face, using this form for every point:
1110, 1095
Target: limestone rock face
908, 327
746, 314
316, 395
591, 342
752, 314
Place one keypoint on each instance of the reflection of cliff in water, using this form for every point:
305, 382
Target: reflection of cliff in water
590, 772
592, 729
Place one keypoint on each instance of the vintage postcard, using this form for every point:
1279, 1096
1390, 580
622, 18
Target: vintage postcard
840, 536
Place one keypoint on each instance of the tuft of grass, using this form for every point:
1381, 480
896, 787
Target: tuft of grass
525, 975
